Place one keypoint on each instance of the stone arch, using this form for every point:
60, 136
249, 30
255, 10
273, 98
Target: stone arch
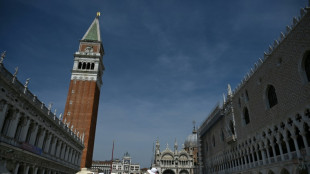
270, 172
290, 141
168, 171
300, 141
307, 132
284, 171
21, 169
31, 170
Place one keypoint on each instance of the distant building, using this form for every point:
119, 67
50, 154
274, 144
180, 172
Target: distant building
263, 125
102, 166
32, 138
184, 161
125, 166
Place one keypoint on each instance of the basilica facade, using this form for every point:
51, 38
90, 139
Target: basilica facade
184, 161
262, 127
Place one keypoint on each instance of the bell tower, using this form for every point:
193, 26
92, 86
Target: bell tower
84, 91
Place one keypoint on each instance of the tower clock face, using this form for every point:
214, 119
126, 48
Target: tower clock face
89, 49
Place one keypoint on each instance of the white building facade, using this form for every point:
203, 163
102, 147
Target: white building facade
32, 139
125, 166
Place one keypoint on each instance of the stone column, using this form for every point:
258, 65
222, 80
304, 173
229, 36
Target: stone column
257, 156
274, 152
288, 147
268, 155
294, 137
3, 110
252, 157
34, 134
57, 148
303, 134
13, 124
27, 169
281, 150
40, 143
16, 168
47, 143
24, 130
53, 149
62, 151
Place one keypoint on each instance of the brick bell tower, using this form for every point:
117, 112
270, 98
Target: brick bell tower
83, 97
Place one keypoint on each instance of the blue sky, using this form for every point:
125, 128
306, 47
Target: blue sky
168, 62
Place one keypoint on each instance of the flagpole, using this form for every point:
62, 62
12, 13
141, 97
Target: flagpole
112, 158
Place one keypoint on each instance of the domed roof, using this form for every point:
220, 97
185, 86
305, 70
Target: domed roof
191, 140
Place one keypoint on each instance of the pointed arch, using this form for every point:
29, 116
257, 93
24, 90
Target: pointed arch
271, 96
246, 116
306, 64
284, 171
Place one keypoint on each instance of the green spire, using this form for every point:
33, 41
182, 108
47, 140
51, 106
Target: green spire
93, 32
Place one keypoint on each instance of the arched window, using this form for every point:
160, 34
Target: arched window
231, 127
307, 65
88, 66
247, 95
92, 66
84, 65
222, 135
80, 65
246, 116
272, 96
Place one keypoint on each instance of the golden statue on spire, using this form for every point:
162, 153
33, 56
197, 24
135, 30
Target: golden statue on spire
98, 14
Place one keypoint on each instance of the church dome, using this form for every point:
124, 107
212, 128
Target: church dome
191, 140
